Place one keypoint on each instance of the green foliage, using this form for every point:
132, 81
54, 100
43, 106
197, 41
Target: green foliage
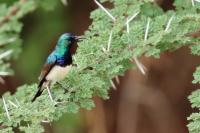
95, 67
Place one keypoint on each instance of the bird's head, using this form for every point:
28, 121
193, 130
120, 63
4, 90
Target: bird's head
67, 39
65, 42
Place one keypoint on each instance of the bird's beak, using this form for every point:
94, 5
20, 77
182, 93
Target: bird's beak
78, 37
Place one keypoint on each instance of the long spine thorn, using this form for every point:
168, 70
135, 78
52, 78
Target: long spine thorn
6, 109
147, 29
109, 41
13, 104
113, 85
117, 79
193, 2
141, 67
106, 11
169, 23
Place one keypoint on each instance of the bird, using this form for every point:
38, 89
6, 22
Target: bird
57, 64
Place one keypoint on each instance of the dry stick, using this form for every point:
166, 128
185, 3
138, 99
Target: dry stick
169, 23
6, 108
106, 11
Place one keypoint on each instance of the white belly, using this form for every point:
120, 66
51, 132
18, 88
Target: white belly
58, 73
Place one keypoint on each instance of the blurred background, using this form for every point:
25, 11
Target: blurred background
154, 103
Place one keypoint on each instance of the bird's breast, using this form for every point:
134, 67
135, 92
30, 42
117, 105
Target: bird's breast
58, 73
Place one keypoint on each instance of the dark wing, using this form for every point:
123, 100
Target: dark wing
51, 61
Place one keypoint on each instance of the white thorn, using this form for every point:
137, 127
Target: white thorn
147, 29
129, 20
13, 104
4, 73
104, 9
65, 2
46, 121
113, 85
17, 101
8, 41
2, 80
169, 23
132, 17
6, 108
104, 50
127, 28
109, 41
50, 96
5, 54
117, 79
141, 67
192, 2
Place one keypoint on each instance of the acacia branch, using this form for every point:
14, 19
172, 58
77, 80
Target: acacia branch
12, 12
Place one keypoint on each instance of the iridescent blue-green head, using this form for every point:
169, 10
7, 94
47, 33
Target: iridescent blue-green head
65, 42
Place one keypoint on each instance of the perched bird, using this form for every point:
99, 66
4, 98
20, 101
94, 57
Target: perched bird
57, 64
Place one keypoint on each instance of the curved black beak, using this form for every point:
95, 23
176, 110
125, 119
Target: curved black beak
79, 37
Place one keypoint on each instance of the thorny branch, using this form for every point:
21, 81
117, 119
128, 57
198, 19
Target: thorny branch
12, 12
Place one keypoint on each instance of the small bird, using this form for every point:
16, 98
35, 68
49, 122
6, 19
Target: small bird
57, 64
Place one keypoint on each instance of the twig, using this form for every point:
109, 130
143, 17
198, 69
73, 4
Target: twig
169, 23
106, 11
147, 29
6, 108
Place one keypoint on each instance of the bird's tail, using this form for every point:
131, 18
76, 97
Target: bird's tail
39, 92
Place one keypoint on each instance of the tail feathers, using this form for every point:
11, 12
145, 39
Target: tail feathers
40, 90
